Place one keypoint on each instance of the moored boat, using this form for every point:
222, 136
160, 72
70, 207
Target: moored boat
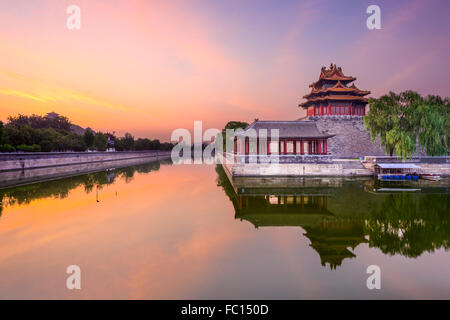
432, 177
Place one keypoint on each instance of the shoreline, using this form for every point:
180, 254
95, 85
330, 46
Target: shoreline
37, 160
20, 177
336, 167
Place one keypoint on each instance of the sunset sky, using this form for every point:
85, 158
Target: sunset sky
149, 67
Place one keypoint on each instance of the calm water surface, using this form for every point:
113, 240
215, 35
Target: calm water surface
162, 231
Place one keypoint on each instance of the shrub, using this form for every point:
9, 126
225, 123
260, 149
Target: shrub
7, 148
36, 148
46, 146
24, 148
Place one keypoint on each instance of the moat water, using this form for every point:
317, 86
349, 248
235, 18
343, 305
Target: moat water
164, 231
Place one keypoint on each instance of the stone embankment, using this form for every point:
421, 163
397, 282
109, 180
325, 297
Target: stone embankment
23, 161
25, 168
428, 165
332, 167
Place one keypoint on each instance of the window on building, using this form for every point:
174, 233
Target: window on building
262, 146
305, 147
273, 199
297, 147
253, 147
290, 147
273, 146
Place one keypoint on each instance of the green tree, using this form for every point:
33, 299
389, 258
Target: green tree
88, 137
234, 125
392, 118
73, 142
46, 146
142, 144
433, 123
1, 132
127, 142
100, 142
403, 120
51, 120
166, 146
155, 145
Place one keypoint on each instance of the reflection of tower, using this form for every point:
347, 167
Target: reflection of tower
304, 206
281, 210
333, 238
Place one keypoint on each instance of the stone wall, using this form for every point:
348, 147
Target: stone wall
337, 167
298, 169
23, 161
284, 158
351, 140
14, 178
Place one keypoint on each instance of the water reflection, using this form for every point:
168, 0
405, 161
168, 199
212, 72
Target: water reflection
59, 189
338, 215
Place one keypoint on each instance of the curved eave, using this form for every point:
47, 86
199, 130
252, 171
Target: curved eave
334, 98
325, 136
317, 93
333, 78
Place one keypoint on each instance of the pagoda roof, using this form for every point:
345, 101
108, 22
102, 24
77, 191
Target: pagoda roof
287, 129
338, 87
335, 98
282, 219
332, 74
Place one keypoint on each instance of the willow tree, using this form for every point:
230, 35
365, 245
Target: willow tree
392, 118
433, 123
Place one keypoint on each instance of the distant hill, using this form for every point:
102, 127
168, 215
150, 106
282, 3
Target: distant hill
73, 127
77, 129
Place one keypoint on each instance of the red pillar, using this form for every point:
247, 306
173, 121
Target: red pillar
268, 145
285, 151
321, 110
326, 143
246, 146
235, 145
257, 145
